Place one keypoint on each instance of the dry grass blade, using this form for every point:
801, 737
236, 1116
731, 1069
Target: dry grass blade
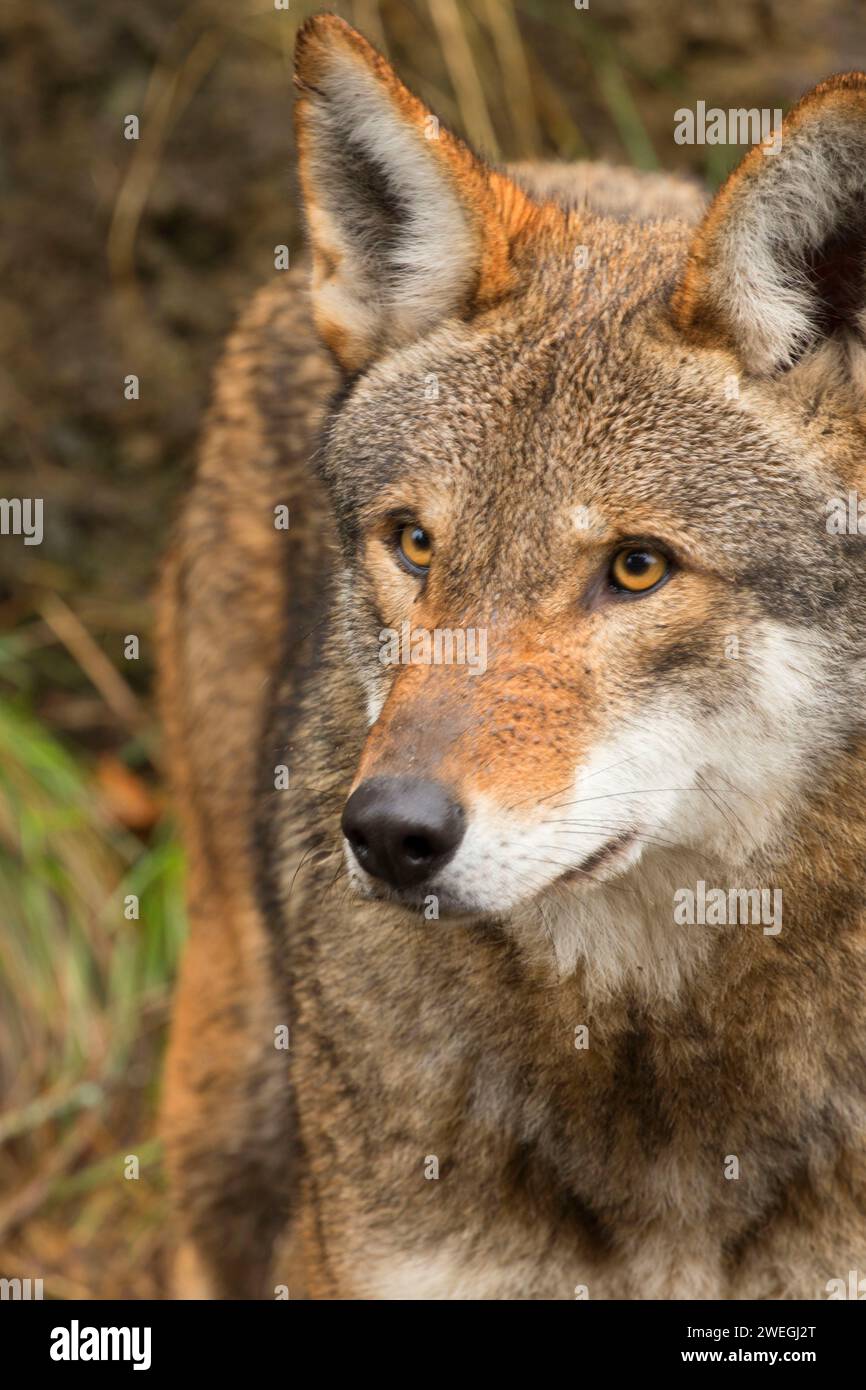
465, 79
23, 1203
169, 91
93, 662
501, 20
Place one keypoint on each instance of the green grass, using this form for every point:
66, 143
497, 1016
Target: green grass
83, 989
75, 973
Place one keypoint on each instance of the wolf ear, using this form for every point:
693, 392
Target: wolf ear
407, 226
779, 263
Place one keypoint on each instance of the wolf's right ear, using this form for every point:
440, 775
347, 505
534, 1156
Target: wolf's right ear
779, 263
407, 225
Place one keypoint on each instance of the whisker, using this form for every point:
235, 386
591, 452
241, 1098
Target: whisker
648, 791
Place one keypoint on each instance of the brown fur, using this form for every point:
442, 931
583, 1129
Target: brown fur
228, 612
455, 1038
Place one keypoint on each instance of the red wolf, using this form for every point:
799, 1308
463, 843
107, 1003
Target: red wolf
440, 1032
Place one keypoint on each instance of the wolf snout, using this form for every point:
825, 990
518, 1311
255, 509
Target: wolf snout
402, 829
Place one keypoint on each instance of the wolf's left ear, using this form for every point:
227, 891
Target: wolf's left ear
407, 225
779, 263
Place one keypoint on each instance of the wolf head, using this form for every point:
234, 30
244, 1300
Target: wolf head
594, 483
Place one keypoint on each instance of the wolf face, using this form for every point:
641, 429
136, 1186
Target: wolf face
609, 447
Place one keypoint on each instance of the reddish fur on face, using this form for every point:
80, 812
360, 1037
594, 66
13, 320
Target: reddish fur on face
510, 733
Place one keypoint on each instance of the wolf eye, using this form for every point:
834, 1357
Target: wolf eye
638, 568
415, 547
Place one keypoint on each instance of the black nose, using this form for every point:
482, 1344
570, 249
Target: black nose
402, 829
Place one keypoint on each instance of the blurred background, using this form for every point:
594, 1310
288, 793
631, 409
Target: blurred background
133, 256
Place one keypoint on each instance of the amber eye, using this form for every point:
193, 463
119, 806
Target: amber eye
638, 568
415, 547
